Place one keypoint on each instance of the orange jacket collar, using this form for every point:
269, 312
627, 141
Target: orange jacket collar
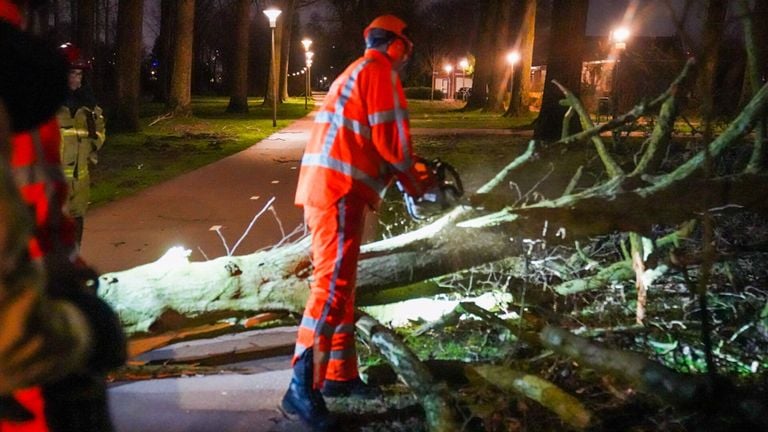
374, 53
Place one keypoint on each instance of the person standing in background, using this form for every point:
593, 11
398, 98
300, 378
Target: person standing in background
82, 135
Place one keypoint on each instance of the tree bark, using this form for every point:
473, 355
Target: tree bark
433, 396
128, 81
521, 79
564, 64
286, 40
238, 100
501, 72
485, 58
86, 25
165, 44
180, 98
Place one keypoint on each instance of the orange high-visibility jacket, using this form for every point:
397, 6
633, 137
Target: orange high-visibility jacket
361, 138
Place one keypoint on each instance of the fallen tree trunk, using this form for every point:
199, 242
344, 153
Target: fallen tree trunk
432, 395
169, 293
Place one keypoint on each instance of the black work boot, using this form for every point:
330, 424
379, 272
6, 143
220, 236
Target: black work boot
301, 399
353, 388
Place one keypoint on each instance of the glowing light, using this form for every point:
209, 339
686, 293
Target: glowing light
513, 57
619, 37
307, 43
272, 14
176, 256
464, 64
448, 68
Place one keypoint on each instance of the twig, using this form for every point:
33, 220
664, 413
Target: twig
613, 169
165, 116
635, 112
247, 230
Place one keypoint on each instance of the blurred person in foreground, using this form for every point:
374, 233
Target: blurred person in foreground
57, 338
359, 143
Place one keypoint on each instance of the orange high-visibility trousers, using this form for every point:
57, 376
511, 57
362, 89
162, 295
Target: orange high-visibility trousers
328, 324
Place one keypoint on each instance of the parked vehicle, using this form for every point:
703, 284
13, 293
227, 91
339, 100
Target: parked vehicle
463, 93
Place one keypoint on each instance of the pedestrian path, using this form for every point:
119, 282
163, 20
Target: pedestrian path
191, 210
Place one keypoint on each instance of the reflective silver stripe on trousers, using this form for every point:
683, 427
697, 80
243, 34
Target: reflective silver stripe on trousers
311, 323
325, 161
344, 354
341, 215
338, 116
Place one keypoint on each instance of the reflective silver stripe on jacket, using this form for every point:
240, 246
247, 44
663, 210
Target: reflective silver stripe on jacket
325, 161
338, 116
353, 125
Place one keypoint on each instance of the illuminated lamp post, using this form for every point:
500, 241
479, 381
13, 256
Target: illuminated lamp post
309, 55
272, 14
307, 43
464, 65
512, 58
448, 69
619, 37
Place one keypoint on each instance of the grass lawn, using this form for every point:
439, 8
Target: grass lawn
449, 114
168, 147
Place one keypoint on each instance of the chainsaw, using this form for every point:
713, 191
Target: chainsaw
439, 199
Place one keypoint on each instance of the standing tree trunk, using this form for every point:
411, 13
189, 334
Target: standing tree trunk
40, 21
500, 74
484, 60
564, 63
488, 85
286, 39
180, 99
73, 19
130, 16
56, 15
714, 28
86, 28
238, 99
521, 80
165, 49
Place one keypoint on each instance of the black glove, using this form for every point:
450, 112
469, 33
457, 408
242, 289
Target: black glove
78, 285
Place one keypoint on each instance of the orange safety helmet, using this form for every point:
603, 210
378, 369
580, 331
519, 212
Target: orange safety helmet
74, 57
397, 27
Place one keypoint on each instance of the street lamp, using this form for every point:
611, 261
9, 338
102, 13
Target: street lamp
308, 87
464, 65
512, 58
272, 14
448, 69
309, 55
618, 37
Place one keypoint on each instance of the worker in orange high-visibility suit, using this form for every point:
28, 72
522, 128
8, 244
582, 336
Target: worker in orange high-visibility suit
360, 142
78, 336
